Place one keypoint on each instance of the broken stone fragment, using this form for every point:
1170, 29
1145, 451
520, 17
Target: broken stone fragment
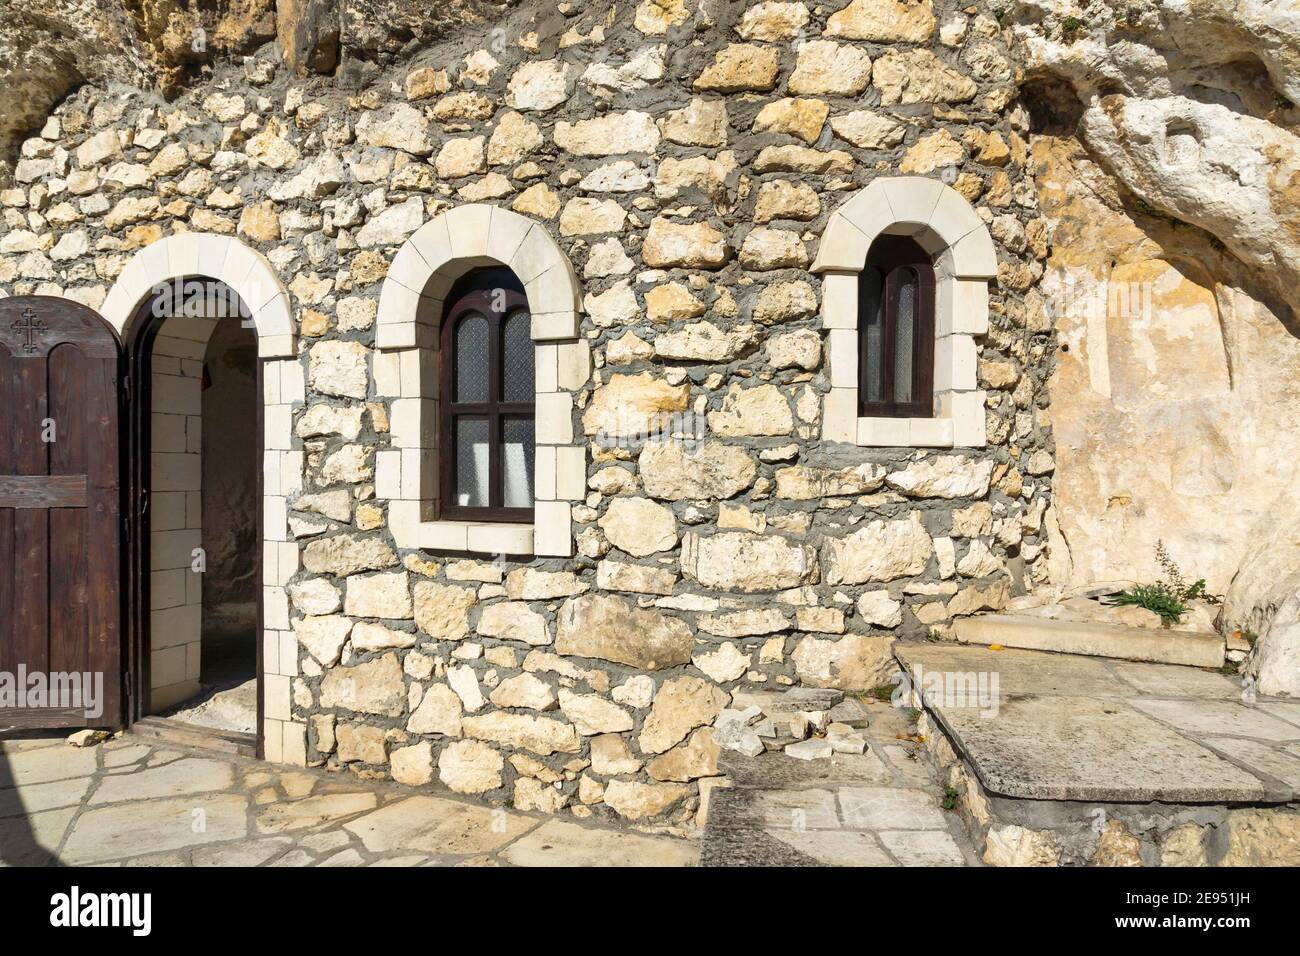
844, 739
849, 713
814, 749
736, 736
730, 716
88, 737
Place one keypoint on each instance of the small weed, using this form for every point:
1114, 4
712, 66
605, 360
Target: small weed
1071, 25
1154, 597
1000, 14
884, 692
1230, 668
913, 714
1281, 102
1168, 597
950, 796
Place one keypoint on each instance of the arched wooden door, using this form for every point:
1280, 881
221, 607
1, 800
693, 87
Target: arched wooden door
60, 504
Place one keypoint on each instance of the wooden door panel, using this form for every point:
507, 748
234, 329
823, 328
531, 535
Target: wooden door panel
60, 503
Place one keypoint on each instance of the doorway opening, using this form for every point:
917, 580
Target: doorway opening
196, 541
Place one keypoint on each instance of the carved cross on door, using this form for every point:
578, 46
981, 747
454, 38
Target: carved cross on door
30, 327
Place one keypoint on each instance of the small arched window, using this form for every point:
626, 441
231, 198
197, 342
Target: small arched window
487, 393
896, 331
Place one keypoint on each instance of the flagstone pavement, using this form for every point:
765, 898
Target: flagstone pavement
134, 803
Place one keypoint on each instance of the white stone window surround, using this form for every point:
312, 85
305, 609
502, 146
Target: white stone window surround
252, 277
948, 228
472, 236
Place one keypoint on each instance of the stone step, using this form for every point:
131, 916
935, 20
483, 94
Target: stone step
177, 733
1191, 648
1070, 759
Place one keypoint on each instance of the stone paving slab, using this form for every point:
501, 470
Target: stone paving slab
836, 847
122, 830
1079, 728
1082, 748
434, 825
1282, 765
1226, 717
776, 771
558, 843
754, 846
1020, 672
135, 804
880, 808
889, 808
1167, 680
1288, 710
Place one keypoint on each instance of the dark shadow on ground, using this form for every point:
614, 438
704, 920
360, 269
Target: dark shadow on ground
18, 843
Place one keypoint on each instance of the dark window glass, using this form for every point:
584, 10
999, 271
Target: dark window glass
518, 363
896, 330
472, 359
872, 309
486, 409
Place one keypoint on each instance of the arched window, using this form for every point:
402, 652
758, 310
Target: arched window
896, 331
487, 393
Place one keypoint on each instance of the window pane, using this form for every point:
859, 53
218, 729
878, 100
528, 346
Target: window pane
472, 359
904, 334
517, 461
517, 359
872, 314
471, 462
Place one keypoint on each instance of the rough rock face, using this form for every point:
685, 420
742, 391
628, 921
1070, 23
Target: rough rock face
1168, 163
1191, 107
49, 47
1178, 381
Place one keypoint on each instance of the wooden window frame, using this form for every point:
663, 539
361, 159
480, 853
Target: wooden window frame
888, 255
474, 293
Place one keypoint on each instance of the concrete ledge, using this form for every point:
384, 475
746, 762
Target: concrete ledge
1093, 640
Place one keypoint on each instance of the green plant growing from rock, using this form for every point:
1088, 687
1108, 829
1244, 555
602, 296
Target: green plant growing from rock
1154, 597
1169, 596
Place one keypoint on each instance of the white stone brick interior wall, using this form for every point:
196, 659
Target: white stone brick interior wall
176, 517
686, 164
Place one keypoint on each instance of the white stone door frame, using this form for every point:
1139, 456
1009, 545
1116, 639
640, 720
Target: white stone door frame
281, 379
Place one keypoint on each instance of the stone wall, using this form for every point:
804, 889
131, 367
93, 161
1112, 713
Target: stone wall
687, 160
